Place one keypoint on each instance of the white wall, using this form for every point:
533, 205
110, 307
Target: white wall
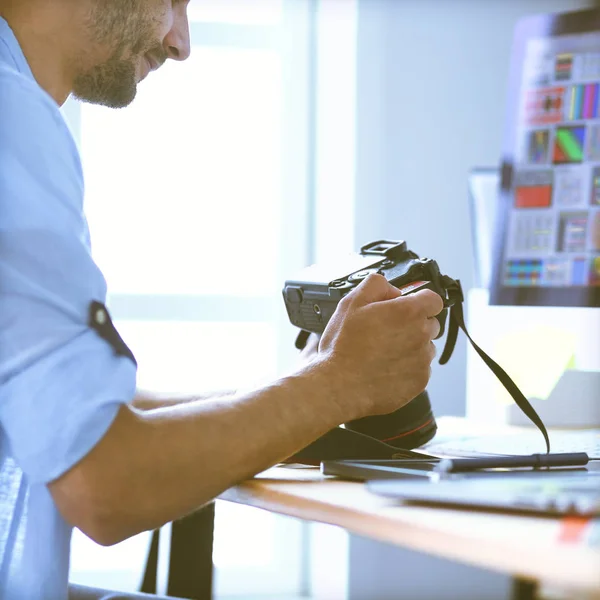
432, 81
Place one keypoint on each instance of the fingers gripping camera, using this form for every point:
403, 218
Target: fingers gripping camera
312, 297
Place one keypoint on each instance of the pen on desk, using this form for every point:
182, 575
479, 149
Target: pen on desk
536, 461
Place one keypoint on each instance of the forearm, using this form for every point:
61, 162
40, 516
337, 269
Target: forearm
145, 400
156, 466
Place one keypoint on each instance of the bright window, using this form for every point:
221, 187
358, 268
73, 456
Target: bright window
244, 12
188, 200
197, 196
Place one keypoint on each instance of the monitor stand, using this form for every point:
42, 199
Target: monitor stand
552, 354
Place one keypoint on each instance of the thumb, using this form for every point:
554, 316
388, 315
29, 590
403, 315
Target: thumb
375, 288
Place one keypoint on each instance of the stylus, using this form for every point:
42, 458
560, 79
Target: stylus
536, 461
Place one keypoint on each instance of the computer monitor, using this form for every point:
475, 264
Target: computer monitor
547, 241
539, 318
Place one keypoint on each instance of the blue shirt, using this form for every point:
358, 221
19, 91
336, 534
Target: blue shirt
61, 385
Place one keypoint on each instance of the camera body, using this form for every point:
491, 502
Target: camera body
312, 297
311, 300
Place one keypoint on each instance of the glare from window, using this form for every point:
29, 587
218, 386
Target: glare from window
249, 546
195, 357
236, 12
183, 187
184, 198
117, 567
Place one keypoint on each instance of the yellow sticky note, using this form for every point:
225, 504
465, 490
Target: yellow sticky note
572, 364
535, 359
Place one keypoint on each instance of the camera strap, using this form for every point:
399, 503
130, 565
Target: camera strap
457, 321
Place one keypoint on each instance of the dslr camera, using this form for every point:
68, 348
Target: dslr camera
312, 297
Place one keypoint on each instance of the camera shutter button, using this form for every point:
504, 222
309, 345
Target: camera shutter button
361, 275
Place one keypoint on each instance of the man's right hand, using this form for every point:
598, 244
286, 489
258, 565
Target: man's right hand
377, 348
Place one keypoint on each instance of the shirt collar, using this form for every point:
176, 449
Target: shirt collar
10, 43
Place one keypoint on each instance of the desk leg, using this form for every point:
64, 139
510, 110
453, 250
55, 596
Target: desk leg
190, 562
524, 589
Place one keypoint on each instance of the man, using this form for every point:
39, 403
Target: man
78, 446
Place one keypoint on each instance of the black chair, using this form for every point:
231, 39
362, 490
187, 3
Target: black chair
190, 572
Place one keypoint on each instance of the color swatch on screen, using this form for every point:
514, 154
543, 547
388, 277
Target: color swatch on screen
533, 188
582, 102
595, 240
533, 196
556, 271
579, 275
593, 135
523, 272
572, 231
568, 186
544, 106
538, 144
569, 143
595, 271
532, 232
595, 195
563, 67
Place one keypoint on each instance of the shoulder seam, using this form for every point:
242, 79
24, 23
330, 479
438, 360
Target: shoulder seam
32, 92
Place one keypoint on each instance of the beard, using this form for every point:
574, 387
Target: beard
127, 28
111, 84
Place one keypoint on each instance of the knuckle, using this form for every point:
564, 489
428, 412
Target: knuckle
435, 328
344, 301
432, 301
347, 300
375, 279
426, 328
424, 331
371, 282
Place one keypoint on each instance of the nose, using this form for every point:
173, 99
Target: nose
177, 42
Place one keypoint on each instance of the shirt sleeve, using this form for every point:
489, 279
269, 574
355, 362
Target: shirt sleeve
61, 384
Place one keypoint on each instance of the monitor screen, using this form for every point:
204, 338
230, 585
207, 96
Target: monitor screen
547, 241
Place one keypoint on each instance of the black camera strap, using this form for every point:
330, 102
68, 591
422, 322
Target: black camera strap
457, 321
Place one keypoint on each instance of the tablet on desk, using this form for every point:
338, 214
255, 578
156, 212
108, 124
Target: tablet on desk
428, 470
549, 493
364, 470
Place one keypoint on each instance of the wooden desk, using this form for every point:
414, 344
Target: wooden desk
560, 552
563, 553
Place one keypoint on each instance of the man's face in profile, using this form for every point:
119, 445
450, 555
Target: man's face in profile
126, 41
